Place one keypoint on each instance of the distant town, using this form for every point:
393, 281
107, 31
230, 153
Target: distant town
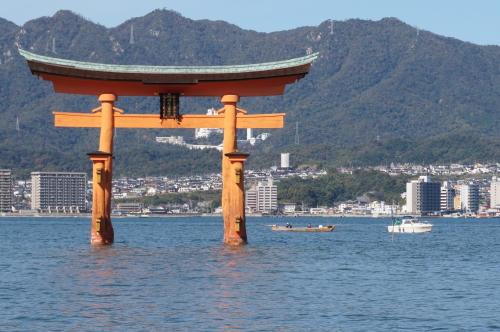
477, 195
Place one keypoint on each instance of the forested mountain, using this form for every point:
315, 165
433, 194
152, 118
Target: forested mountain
373, 80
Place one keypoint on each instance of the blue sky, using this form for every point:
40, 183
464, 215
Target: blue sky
474, 21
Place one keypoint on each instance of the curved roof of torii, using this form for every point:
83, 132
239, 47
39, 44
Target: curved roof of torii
87, 78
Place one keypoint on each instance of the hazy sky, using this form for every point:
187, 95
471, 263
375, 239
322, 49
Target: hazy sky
475, 21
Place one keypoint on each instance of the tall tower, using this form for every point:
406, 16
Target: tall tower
131, 34
285, 160
296, 133
54, 46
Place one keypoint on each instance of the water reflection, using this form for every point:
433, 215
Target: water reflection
164, 278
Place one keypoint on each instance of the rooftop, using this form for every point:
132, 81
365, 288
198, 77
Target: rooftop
89, 78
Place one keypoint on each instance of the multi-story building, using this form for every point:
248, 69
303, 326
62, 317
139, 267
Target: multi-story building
423, 196
469, 198
495, 194
205, 132
251, 199
447, 196
267, 196
263, 198
55, 192
5, 190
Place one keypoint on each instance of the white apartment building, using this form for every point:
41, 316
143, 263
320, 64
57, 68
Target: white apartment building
263, 198
469, 198
5, 190
495, 194
176, 140
251, 199
205, 132
267, 196
447, 196
58, 192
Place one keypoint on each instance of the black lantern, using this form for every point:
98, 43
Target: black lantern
169, 106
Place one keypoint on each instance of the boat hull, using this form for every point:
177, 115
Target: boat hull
328, 228
410, 228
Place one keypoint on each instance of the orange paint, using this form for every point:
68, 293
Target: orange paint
101, 229
93, 120
269, 80
244, 88
235, 232
229, 210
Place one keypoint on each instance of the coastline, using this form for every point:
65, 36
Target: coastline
191, 215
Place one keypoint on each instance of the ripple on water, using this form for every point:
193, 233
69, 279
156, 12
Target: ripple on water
175, 275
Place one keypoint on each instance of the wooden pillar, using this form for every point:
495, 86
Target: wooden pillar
107, 122
235, 232
230, 146
101, 230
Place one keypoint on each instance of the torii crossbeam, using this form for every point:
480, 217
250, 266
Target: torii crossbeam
168, 82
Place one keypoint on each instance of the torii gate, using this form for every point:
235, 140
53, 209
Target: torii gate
169, 83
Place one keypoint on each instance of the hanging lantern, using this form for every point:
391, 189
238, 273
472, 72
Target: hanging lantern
169, 106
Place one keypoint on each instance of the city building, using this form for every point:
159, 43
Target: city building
129, 207
447, 196
205, 132
495, 194
5, 190
423, 196
58, 192
175, 140
469, 198
251, 199
263, 197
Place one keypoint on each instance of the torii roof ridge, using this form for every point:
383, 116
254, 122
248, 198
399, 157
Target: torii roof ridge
170, 69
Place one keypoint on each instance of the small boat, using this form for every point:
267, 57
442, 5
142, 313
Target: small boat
409, 224
320, 228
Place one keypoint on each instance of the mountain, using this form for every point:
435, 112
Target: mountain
373, 80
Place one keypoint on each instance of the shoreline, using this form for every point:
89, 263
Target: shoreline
192, 215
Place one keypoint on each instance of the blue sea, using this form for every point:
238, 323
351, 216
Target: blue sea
175, 274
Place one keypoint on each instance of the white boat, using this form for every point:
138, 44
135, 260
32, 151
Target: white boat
409, 224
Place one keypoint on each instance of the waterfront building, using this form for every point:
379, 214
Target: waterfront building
58, 192
263, 197
5, 190
469, 198
447, 196
130, 207
251, 199
423, 196
495, 194
267, 196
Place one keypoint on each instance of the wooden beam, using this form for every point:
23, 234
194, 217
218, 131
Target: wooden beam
93, 120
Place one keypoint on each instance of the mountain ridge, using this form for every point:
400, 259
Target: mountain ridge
373, 79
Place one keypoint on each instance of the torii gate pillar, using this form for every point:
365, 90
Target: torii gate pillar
228, 199
101, 231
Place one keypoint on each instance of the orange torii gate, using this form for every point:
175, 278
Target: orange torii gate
169, 83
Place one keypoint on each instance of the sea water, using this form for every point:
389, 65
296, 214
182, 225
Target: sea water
175, 274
